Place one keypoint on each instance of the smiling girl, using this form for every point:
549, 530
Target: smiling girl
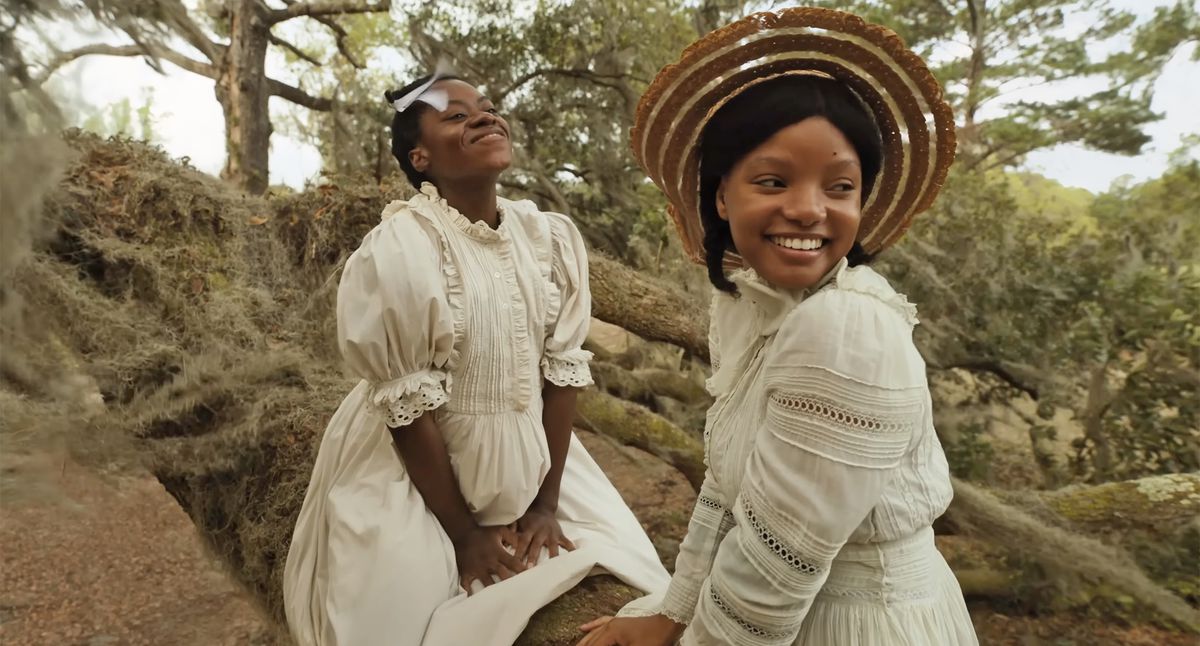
794, 146
449, 500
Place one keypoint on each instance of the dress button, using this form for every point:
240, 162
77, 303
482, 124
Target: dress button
497, 274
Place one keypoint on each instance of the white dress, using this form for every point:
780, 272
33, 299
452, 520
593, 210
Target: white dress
813, 525
438, 313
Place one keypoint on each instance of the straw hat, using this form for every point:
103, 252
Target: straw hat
894, 83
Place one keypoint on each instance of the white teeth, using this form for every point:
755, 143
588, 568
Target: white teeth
804, 244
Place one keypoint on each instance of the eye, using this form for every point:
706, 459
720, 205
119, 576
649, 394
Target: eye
769, 182
457, 116
842, 187
493, 111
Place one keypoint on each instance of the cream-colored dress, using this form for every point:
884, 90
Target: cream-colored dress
438, 313
824, 476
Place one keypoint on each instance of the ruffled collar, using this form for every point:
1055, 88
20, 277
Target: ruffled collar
429, 196
771, 304
742, 321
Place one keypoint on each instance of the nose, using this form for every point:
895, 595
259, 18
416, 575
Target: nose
805, 206
482, 118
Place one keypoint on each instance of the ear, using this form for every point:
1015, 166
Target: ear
722, 210
419, 158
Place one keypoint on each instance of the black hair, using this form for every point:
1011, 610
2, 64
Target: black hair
406, 128
752, 118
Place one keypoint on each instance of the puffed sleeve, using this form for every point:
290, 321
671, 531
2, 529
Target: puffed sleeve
395, 324
564, 361
845, 391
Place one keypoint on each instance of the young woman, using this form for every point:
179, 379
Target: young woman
450, 500
797, 145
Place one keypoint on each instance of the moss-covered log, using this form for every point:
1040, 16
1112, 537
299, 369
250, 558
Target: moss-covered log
637, 426
196, 317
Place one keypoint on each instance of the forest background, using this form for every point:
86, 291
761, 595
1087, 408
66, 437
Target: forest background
153, 317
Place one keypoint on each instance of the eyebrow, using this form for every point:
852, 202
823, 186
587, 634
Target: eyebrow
771, 159
481, 101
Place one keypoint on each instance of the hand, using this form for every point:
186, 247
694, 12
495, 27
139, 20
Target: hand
655, 630
481, 554
539, 528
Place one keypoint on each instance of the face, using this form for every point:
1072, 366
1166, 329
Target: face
793, 203
468, 140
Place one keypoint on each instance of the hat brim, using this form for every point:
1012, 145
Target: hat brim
915, 122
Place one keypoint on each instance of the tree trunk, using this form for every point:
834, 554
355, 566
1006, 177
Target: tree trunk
623, 297
242, 92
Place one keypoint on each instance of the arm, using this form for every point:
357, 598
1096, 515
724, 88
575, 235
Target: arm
396, 332
844, 397
564, 367
558, 416
428, 464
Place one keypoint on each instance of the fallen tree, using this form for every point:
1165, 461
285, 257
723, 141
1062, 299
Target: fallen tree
202, 318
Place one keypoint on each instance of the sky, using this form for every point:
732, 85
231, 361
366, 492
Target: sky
188, 120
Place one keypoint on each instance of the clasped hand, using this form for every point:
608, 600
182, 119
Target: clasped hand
488, 554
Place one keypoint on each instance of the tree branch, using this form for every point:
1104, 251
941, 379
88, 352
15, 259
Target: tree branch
189, 64
1003, 372
301, 54
327, 8
605, 80
298, 96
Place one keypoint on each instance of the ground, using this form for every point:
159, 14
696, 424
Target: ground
91, 559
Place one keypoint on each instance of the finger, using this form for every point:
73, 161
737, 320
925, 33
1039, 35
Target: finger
509, 536
535, 549
465, 582
595, 623
504, 573
553, 548
524, 541
567, 543
513, 563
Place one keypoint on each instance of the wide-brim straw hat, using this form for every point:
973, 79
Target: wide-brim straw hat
916, 123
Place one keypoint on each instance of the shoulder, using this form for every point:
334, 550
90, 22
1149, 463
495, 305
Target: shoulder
861, 293
537, 222
857, 325
403, 235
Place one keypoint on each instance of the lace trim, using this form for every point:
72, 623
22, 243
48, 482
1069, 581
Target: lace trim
402, 401
913, 594
757, 631
406, 411
777, 546
477, 230
845, 417
568, 369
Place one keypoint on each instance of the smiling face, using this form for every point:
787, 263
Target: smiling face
468, 140
793, 203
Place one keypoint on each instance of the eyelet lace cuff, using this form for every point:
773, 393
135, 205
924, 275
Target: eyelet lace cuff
568, 368
402, 401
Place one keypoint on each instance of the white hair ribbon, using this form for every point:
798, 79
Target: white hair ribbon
437, 99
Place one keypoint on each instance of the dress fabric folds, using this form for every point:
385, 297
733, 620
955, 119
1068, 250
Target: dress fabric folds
436, 313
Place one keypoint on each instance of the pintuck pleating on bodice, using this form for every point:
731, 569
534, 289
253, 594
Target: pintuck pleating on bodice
442, 316
488, 312
824, 476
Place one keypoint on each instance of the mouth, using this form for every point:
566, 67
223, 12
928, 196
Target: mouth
805, 246
489, 136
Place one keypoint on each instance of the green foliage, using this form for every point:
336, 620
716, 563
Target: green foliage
125, 119
1096, 311
986, 51
970, 455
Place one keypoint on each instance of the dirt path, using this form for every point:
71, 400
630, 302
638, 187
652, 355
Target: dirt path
90, 560
100, 561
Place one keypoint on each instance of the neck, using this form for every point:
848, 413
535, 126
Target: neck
475, 199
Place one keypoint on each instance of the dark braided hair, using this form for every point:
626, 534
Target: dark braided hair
406, 128
753, 117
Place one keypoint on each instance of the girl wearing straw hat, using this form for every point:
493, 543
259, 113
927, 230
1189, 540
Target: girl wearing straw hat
449, 500
793, 147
